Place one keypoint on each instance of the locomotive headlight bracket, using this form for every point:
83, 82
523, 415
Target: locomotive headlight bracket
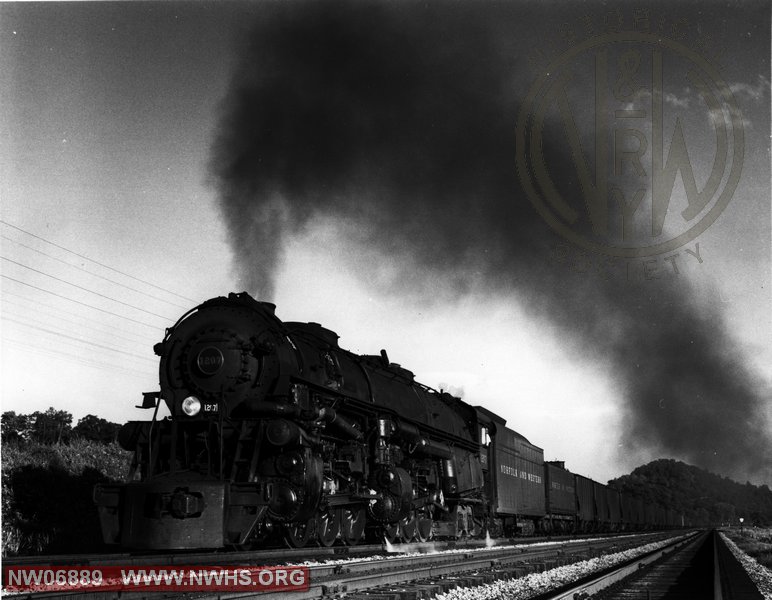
191, 406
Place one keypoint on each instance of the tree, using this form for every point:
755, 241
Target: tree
702, 497
51, 427
15, 427
725, 512
94, 428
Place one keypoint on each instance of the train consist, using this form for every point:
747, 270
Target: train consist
277, 432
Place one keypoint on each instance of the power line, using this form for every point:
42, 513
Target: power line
85, 357
106, 332
74, 359
70, 337
123, 285
78, 326
87, 354
83, 332
86, 289
138, 337
154, 327
96, 262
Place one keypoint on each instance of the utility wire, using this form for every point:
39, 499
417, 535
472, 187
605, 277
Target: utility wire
85, 355
80, 352
70, 337
78, 326
96, 262
87, 290
138, 337
123, 285
154, 327
74, 359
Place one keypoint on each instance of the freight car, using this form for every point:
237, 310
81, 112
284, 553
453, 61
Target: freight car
275, 431
578, 504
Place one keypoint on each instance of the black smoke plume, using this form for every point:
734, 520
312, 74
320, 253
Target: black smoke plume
399, 120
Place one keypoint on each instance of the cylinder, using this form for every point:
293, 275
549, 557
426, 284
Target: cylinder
408, 432
341, 423
432, 448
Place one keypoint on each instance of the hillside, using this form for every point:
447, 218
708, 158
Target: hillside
702, 497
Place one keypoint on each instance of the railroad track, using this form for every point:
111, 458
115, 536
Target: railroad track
698, 568
281, 555
407, 578
394, 576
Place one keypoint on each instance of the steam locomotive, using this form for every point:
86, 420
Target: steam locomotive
277, 432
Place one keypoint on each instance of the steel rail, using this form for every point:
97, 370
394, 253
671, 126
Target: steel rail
289, 554
599, 581
349, 578
358, 574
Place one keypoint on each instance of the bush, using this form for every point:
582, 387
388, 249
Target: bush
756, 542
47, 501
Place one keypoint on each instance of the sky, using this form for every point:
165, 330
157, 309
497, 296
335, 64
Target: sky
360, 167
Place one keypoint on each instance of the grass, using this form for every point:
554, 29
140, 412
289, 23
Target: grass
756, 542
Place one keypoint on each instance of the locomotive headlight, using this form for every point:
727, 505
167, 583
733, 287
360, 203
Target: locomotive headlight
191, 406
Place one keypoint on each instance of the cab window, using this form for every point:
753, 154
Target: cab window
485, 438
